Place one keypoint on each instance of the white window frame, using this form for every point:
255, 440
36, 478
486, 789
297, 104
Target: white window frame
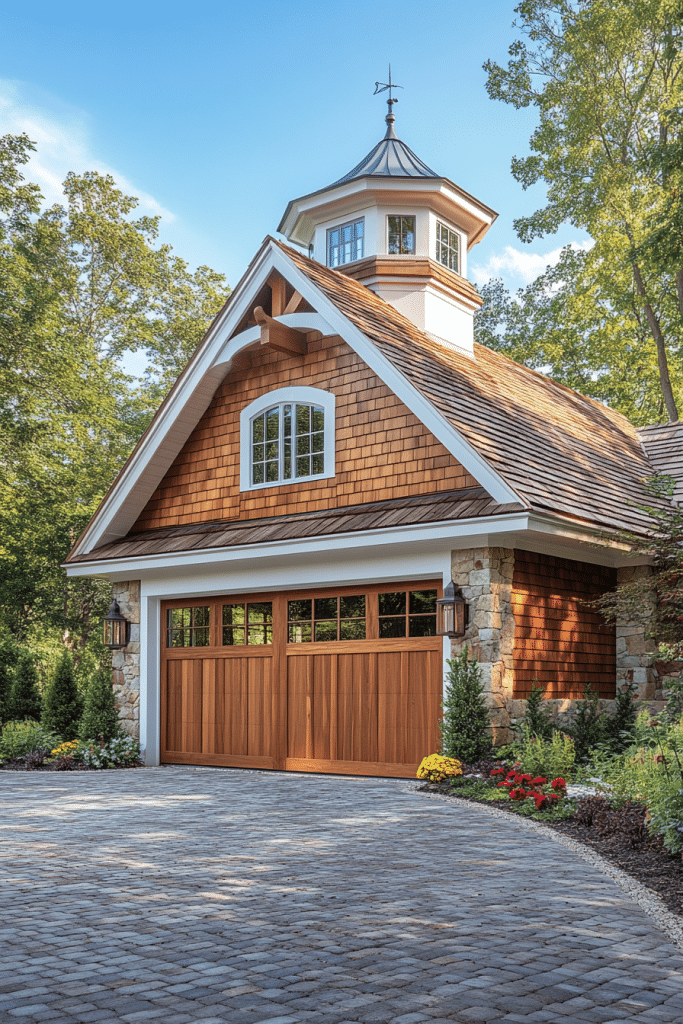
457, 234
304, 396
402, 216
339, 227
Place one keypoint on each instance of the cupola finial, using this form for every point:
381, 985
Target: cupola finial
390, 118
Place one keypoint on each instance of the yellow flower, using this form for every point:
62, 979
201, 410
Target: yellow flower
436, 768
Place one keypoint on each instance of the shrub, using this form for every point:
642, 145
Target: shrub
546, 794
465, 729
21, 738
537, 722
100, 717
588, 728
8, 659
553, 757
619, 728
122, 752
62, 705
437, 768
24, 696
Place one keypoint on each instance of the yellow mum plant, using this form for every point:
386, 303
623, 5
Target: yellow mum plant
437, 768
64, 748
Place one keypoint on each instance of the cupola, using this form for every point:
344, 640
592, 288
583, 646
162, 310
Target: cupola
402, 230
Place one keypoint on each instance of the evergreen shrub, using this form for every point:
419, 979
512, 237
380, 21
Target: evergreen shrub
62, 704
24, 696
100, 718
465, 728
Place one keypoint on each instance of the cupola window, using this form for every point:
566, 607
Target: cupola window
345, 243
401, 236
287, 436
447, 247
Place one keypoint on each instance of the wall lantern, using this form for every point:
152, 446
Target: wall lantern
115, 628
451, 612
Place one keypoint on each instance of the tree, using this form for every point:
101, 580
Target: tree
24, 697
8, 659
465, 727
100, 718
62, 704
605, 76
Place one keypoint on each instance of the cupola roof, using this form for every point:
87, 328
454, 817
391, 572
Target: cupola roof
390, 158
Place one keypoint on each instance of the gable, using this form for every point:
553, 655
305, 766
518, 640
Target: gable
383, 451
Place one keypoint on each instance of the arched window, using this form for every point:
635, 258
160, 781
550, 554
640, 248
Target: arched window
287, 436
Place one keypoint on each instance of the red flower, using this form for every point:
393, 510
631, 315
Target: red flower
539, 781
517, 794
554, 797
558, 783
541, 801
511, 775
524, 778
497, 771
503, 784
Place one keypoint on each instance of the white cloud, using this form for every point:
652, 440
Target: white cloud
62, 139
518, 266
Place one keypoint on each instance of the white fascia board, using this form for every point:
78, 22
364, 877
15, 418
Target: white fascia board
526, 530
204, 373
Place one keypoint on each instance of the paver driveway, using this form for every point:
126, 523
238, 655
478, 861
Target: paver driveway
180, 894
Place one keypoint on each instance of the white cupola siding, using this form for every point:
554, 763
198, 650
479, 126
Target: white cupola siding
402, 230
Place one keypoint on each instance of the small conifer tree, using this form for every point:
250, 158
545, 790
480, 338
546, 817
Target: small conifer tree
536, 720
62, 704
24, 696
8, 659
465, 729
100, 716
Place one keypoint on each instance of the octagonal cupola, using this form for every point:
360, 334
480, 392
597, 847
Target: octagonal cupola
402, 230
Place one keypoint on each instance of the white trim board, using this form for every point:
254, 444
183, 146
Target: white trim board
197, 384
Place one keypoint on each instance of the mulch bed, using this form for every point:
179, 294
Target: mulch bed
622, 839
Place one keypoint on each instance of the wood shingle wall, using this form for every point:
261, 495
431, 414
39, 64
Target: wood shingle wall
382, 450
560, 642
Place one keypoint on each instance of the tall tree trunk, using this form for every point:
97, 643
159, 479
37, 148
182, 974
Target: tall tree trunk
662, 361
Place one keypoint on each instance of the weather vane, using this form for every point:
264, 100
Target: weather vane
382, 87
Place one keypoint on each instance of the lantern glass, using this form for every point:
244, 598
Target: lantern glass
451, 612
115, 628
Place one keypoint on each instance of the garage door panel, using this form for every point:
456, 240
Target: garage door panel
357, 707
391, 711
299, 672
259, 707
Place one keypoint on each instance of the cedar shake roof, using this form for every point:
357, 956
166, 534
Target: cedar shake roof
466, 503
663, 444
560, 451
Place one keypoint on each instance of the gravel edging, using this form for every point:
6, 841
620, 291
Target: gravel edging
647, 900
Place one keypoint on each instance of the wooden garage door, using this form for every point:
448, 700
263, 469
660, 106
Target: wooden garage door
345, 681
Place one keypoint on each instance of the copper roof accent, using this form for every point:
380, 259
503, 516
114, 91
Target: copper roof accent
413, 267
466, 503
390, 158
663, 444
560, 451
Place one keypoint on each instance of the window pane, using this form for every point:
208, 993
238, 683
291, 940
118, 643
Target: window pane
201, 617
233, 614
422, 601
317, 442
352, 607
325, 631
392, 627
273, 424
261, 611
353, 629
258, 636
303, 445
317, 465
303, 419
201, 637
299, 610
259, 452
326, 607
233, 636
257, 475
272, 451
299, 633
303, 466
271, 472
422, 625
392, 604
317, 418
175, 617
257, 434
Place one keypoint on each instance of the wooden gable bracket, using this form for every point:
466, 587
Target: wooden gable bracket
278, 336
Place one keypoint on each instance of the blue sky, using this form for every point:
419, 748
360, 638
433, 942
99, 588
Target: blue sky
216, 115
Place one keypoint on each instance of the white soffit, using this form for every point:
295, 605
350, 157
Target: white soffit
196, 386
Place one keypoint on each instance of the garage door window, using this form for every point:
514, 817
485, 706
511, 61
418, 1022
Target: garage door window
250, 623
188, 627
326, 618
407, 613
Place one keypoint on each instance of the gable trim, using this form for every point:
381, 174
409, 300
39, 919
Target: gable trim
191, 395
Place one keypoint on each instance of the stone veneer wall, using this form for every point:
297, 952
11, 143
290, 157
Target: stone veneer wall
485, 578
126, 663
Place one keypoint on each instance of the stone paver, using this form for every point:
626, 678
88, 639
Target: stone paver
191, 896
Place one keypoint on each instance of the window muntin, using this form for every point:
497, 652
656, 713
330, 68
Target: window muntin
407, 613
320, 619
447, 247
250, 624
188, 627
401, 231
345, 243
287, 442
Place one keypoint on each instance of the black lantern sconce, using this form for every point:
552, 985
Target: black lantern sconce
115, 628
452, 612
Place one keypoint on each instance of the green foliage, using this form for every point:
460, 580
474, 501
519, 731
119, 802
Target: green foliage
62, 704
552, 758
24, 696
9, 653
482, 791
121, 752
589, 725
100, 717
537, 721
21, 738
465, 728
605, 78
619, 728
